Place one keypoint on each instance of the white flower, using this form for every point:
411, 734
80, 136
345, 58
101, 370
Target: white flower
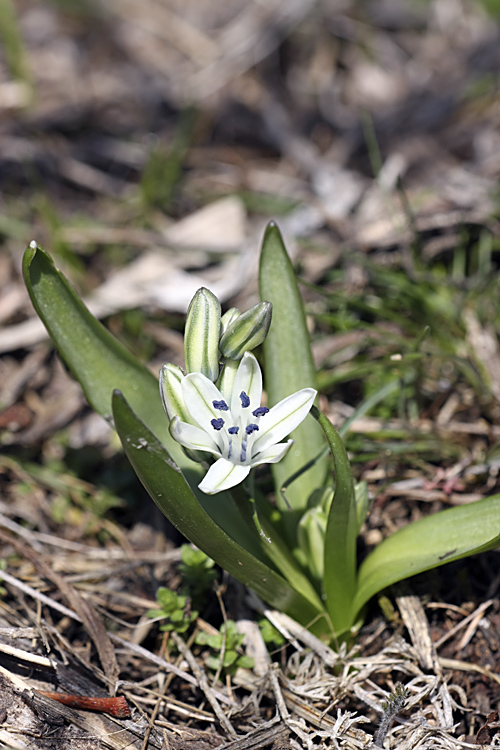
233, 426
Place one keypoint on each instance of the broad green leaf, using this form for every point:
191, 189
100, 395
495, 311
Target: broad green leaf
168, 488
289, 367
96, 359
101, 363
339, 580
428, 543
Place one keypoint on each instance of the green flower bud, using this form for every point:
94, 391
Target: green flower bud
202, 333
228, 318
246, 331
172, 399
171, 392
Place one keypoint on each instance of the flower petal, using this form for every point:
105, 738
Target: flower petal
222, 475
273, 454
283, 419
199, 393
226, 380
193, 437
248, 379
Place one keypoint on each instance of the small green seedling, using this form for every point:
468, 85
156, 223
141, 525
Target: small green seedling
271, 636
225, 644
174, 609
197, 573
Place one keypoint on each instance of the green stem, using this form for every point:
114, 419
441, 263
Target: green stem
251, 498
245, 500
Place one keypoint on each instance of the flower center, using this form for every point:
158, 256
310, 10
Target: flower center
238, 438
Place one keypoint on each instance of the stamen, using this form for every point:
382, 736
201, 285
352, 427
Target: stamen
233, 430
260, 411
251, 428
243, 454
220, 405
217, 424
245, 401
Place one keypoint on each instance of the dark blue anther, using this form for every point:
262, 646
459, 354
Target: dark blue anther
220, 405
251, 428
260, 411
217, 424
233, 430
245, 401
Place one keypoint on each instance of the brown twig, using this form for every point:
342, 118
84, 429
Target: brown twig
117, 707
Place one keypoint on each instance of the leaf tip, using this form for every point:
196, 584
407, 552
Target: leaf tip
272, 229
32, 251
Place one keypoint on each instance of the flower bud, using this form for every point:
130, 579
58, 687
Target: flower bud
171, 392
228, 318
172, 399
201, 335
246, 331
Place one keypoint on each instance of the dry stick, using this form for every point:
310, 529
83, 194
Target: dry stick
152, 719
149, 656
278, 694
417, 624
158, 703
38, 596
222, 653
203, 683
293, 630
117, 707
479, 611
273, 732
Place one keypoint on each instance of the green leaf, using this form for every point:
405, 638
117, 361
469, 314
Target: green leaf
428, 543
170, 491
246, 662
96, 359
289, 367
154, 613
229, 658
339, 578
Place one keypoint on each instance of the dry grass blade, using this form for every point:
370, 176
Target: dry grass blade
203, 683
416, 622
